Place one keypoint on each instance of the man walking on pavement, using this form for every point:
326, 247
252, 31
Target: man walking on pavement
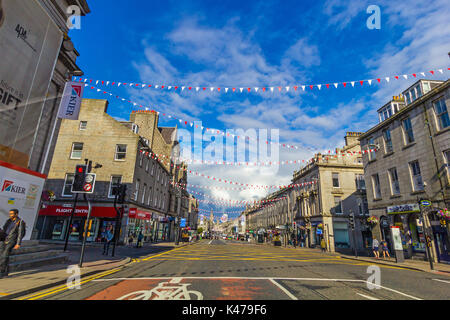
14, 230
108, 238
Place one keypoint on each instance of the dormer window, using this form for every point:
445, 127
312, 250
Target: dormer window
135, 128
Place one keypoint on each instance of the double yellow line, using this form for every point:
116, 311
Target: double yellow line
65, 287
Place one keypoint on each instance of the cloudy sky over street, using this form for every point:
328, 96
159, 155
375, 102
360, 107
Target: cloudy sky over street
248, 44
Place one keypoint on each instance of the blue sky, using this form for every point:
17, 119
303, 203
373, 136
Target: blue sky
257, 44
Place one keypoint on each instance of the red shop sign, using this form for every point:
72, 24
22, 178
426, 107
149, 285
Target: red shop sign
139, 214
100, 212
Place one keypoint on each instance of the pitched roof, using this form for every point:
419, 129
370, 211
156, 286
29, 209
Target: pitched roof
167, 133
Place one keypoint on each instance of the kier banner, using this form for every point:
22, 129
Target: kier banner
71, 101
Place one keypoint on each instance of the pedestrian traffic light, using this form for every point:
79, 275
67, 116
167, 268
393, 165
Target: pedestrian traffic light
79, 178
352, 221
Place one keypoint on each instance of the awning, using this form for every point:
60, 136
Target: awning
135, 213
65, 211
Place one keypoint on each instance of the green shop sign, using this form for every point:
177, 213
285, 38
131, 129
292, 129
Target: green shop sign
403, 208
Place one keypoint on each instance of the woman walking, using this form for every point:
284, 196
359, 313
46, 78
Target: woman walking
375, 245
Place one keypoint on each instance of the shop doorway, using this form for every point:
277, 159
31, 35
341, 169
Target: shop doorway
385, 228
442, 243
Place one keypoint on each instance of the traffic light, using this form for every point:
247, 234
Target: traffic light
79, 178
352, 221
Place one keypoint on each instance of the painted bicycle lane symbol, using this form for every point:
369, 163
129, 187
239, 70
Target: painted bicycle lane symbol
172, 290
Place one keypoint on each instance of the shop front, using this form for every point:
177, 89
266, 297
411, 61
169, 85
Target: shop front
139, 221
440, 226
341, 235
408, 219
53, 222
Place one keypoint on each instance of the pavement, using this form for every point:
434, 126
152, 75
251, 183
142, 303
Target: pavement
94, 264
232, 270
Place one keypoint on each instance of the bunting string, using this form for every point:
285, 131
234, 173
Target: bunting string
260, 89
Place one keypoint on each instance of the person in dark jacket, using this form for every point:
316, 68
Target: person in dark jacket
14, 230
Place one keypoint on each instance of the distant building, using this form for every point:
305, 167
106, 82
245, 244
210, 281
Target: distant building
125, 151
412, 164
323, 207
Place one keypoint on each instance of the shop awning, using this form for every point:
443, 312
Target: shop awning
65, 211
135, 213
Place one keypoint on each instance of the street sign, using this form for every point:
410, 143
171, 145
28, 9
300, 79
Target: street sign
183, 223
319, 231
425, 203
87, 187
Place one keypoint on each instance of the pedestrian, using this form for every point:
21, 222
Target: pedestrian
14, 230
375, 245
139, 240
323, 245
384, 246
108, 238
130, 240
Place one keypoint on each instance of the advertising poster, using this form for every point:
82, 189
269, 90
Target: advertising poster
29, 47
396, 238
20, 189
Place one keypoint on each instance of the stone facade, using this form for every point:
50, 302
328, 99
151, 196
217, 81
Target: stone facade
147, 180
421, 167
337, 193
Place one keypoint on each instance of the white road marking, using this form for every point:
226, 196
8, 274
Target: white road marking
403, 294
367, 297
266, 278
441, 280
290, 295
210, 242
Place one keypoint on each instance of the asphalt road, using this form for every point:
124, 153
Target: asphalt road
232, 270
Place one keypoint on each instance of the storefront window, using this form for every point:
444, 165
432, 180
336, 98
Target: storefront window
58, 230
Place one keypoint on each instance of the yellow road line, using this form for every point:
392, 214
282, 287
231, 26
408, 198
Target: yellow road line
66, 287
4, 294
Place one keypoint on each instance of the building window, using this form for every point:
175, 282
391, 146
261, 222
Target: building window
155, 202
77, 150
337, 205
335, 180
371, 146
413, 95
83, 125
153, 168
408, 99
447, 162
360, 183
376, 186
121, 152
68, 182
408, 131
135, 128
157, 174
416, 176
441, 111
141, 159
136, 190
149, 201
143, 193
146, 164
426, 87
419, 91
387, 141
395, 186
115, 181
